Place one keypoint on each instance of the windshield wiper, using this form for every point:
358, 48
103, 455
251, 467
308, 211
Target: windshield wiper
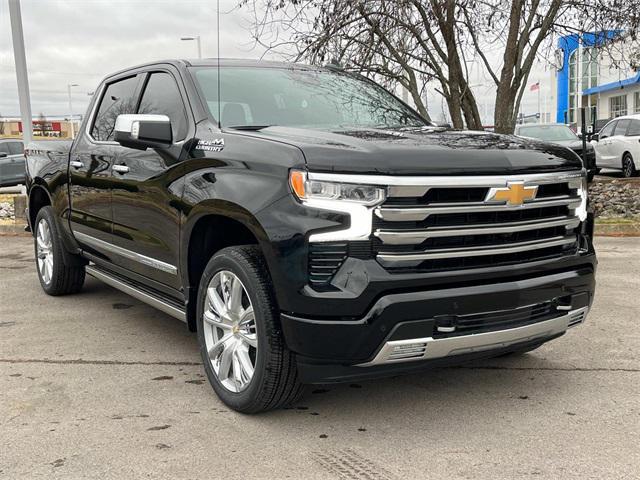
252, 128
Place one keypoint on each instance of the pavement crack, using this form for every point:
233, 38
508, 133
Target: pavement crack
80, 361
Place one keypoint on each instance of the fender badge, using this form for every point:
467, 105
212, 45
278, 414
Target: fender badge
211, 145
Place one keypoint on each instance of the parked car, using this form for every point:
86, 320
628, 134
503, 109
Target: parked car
618, 145
310, 226
12, 162
561, 134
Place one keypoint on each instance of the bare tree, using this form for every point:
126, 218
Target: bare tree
414, 42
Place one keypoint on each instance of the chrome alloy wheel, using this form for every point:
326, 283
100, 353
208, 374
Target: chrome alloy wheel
230, 333
44, 248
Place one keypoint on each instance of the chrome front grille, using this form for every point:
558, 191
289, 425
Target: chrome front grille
454, 223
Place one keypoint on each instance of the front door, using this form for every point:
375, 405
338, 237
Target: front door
92, 157
603, 148
147, 188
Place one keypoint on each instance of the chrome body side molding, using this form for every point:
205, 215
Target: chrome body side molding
416, 349
136, 293
123, 252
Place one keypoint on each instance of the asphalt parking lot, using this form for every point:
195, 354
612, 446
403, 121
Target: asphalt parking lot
98, 385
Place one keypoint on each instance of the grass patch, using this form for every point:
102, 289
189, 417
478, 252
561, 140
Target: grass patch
617, 220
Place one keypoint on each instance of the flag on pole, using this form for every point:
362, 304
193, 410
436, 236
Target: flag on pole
535, 86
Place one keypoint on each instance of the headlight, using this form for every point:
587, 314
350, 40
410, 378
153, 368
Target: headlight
308, 190
582, 188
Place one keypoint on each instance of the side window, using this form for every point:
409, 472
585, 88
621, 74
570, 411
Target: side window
16, 148
607, 130
621, 127
119, 98
161, 96
634, 129
4, 148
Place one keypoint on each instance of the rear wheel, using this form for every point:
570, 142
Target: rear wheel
241, 344
628, 167
58, 271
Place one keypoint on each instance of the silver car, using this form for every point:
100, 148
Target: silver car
12, 162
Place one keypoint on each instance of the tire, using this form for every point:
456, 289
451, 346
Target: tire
274, 380
59, 272
628, 167
590, 175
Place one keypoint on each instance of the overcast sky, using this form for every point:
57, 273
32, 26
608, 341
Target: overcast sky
81, 41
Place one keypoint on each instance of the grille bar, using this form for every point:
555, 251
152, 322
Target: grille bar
412, 260
418, 214
413, 237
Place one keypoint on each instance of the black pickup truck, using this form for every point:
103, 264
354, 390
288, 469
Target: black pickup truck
310, 226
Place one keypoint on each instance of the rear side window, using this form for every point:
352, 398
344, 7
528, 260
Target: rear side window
162, 97
621, 127
634, 129
4, 148
607, 131
119, 98
16, 148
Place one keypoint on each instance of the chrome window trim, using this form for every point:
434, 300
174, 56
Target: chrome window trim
123, 252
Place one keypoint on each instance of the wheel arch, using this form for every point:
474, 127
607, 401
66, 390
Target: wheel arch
39, 197
201, 239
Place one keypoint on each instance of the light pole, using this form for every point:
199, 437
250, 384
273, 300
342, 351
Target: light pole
21, 70
197, 39
69, 85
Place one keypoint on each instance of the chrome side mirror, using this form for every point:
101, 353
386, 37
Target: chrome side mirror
142, 131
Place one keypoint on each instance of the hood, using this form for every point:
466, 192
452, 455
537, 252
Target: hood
425, 151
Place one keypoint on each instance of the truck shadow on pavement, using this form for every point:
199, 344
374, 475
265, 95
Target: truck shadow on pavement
437, 393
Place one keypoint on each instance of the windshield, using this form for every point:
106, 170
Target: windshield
548, 133
320, 99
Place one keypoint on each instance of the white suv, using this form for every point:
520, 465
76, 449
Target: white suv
619, 145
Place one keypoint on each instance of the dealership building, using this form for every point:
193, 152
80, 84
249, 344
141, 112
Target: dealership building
597, 73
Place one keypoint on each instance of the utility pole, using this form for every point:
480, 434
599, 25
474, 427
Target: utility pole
21, 70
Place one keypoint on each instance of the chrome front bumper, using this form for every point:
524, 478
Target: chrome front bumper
416, 349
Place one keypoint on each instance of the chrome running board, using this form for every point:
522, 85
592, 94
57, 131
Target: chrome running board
415, 349
136, 293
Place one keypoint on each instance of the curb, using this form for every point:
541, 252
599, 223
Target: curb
617, 230
15, 230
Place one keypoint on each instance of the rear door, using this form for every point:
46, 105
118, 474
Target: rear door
633, 141
147, 186
92, 157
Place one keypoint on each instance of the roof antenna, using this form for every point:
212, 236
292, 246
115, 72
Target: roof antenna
218, 62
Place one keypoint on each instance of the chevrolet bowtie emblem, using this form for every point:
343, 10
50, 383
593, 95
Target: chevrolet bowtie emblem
515, 193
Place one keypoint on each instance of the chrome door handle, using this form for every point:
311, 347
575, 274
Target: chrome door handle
120, 168
76, 164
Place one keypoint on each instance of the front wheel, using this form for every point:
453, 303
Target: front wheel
241, 343
628, 167
58, 271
